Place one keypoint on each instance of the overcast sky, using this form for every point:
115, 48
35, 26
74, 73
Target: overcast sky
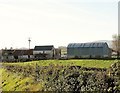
56, 22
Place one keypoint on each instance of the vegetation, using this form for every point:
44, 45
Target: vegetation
83, 63
62, 75
116, 44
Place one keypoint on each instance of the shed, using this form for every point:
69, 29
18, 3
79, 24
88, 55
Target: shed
88, 50
7, 55
17, 54
44, 52
23, 54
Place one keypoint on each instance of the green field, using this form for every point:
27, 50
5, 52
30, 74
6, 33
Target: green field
17, 82
14, 81
83, 63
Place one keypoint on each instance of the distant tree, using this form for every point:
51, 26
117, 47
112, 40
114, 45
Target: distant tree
116, 44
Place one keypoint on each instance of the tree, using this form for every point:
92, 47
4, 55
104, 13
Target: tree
116, 44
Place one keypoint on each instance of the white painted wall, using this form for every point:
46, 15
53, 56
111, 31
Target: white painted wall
23, 57
38, 52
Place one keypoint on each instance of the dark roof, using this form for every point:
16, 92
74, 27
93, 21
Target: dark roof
9, 52
75, 45
43, 48
23, 52
17, 52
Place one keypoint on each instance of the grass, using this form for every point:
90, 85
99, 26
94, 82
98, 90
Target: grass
16, 81
83, 63
12, 82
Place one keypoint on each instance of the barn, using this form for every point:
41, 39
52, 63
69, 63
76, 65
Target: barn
7, 55
23, 55
44, 52
17, 55
88, 50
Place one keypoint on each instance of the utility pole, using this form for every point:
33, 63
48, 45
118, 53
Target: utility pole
29, 40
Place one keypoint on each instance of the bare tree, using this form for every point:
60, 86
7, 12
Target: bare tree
116, 44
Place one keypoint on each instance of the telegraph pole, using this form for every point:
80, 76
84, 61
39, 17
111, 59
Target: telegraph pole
29, 40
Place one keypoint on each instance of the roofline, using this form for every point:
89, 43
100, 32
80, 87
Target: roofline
44, 45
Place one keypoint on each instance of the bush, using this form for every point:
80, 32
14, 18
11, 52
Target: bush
72, 78
77, 80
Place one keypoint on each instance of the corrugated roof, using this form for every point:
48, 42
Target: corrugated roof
74, 45
43, 48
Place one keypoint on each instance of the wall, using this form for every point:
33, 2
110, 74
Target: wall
84, 52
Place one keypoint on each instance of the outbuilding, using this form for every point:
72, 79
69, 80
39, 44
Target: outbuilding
44, 52
88, 50
23, 55
10, 55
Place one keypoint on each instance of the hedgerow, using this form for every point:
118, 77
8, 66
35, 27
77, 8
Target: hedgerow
72, 78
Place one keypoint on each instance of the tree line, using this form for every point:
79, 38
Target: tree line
116, 44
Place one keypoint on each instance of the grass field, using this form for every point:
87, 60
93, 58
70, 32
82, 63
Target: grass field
17, 82
14, 82
83, 63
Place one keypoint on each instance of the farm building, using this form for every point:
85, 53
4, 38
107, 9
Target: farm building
7, 55
44, 52
88, 50
57, 53
63, 51
0, 55
23, 55
16, 55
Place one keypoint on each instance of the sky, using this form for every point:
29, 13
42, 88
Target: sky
56, 22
